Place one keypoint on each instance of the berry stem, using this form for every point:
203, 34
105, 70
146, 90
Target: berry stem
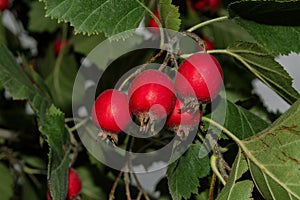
127, 188
139, 70
213, 164
212, 187
206, 23
140, 186
115, 184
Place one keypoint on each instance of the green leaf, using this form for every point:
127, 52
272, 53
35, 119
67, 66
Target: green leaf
273, 157
108, 16
15, 81
241, 122
28, 189
61, 80
90, 190
6, 190
169, 15
274, 12
183, 174
274, 24
58, 139
85, 44
2, 32
263, 65
276, 39
226, 32
234, 188
50, 119
37, 20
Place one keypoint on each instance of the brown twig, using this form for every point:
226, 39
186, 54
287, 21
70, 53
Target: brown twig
212, 187
138, 183
139, 196
139, 70
127, 188
115, 184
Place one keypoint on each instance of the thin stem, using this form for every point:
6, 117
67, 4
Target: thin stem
139, 195
213, 162
127, 188
224, 51
139, 70
212, 187
115, 184
162, 38
140, 186
81, 123
206, 23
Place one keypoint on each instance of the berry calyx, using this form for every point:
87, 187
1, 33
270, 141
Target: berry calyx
59, 45
111, 112
151, 97
74, 186
182, 121
199, 76
4, 4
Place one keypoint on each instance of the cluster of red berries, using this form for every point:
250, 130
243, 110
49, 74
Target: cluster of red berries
74, 186
152, 96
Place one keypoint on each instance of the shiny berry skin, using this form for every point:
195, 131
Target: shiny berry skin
59, 45
111, 111
151, 93
183, 118
4, 4
199, 76
74, 186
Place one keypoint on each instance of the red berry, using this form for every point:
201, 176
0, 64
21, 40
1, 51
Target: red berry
199, 75
182, 118
152, 22
209, 45
111, 111
197, 4
74, 184
59, 45
152, 95
4, 4
213, 4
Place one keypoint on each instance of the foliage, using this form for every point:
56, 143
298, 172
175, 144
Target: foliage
39, 129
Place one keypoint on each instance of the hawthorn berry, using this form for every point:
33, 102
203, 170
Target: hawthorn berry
199, 76
4, 4
152, 22
209, 45
74, 186
198, 5
182, 121
151, 96
111, 112
213, 4
59, 45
